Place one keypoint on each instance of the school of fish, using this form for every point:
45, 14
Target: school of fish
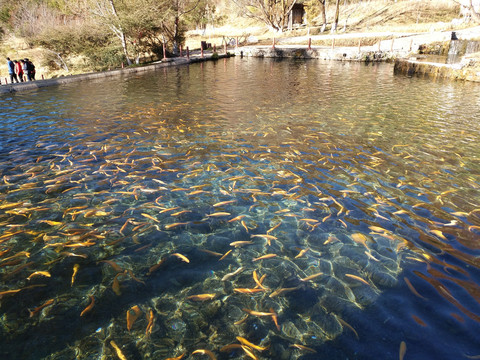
169, 248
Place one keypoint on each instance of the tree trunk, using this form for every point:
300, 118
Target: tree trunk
474, 14
176, 35
323, 14
121, 34
337, 11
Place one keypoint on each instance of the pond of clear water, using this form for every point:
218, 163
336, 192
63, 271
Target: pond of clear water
238, 209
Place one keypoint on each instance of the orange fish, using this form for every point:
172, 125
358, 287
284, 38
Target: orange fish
217, 214
213, 253
257, 313
75, 271
201, 297
258, 282
151, 322
360, 238
402, 350
89, 307
281, 291
225, 255
274, 227
171, 226
412, 289
112, 264
244, 225
344, 323
118, 350
275, 318
39, 273
241, 243
301, 253
267, 237
267, 256
150, 217
249, 352
116, 285
181, 257
223, 203
249, 344
132, 315
37, 309
308, 278
247, 291
358, 278
205, 352
180, 212
239, 217
230, 347
156, 266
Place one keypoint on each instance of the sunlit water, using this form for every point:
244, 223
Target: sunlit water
133, 195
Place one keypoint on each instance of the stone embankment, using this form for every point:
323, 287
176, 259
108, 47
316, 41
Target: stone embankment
466, 70
366, 54
399, 46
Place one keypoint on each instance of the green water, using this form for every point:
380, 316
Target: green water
134, 195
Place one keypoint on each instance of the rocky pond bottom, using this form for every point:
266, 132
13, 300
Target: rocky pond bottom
241, 209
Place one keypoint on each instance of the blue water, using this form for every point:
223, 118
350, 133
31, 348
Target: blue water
141, 192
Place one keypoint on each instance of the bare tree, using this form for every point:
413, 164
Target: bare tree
106, 10
323, 14
473, 9
178, 9
337, 12
274, 13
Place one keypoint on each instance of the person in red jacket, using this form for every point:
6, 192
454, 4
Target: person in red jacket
18, 70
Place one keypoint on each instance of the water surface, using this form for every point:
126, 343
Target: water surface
335, 204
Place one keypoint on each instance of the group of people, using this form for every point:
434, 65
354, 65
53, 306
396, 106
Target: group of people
18, 68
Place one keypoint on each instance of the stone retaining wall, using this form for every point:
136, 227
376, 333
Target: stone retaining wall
437, 70
366, 54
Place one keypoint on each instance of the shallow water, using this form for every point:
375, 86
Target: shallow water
133, 195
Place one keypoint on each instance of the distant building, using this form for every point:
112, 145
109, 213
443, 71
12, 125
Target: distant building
296, 17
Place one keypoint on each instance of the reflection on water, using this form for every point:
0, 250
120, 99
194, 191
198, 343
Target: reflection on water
244, 208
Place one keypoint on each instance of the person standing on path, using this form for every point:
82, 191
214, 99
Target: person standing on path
19, 70
25, 69
11, 70
31, 70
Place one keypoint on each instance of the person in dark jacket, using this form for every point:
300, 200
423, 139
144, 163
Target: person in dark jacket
31, 69
11, 70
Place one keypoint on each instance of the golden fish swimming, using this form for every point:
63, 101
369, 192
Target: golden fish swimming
39, 273
89, 307
132, 315
251, 345
257, 313
201, 297
75, 271
266, 256
181, 257
205, 352
247, 291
